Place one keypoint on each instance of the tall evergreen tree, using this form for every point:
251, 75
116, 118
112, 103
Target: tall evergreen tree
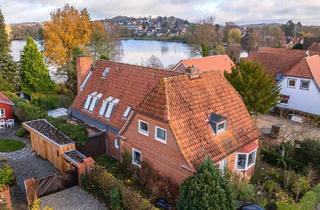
208, 189
4, 42
34, 71
257, 87
8, 68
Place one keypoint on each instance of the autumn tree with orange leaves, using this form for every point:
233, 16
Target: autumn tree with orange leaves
67, 30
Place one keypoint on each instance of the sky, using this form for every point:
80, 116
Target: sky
238, 11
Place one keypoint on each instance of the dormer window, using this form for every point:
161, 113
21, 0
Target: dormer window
218, 123
105, 72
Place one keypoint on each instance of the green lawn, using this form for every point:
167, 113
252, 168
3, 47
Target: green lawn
10, 145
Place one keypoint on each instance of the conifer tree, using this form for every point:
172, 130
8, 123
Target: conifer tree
208, 189
8, 68
4, 42
256, 86
34, 71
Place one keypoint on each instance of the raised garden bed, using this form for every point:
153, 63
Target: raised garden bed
45, 128
74, 156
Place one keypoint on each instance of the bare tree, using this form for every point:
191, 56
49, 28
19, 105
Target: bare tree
154, 62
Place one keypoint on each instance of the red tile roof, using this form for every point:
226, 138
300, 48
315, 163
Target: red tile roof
4, 99
218, 63
129, 83
186, 105
308, 67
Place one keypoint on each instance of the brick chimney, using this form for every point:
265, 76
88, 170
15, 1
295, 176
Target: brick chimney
84, 64
193, 72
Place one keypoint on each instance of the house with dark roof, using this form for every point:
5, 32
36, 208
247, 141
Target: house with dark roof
6, 107
297, 72
172, 120
219, 63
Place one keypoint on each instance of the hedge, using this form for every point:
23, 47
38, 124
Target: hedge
276, 159
112, 192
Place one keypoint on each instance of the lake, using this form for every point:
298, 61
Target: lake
138, 51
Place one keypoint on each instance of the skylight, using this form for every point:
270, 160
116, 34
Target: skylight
105, 72
104, 105
126, 112
95, 101
89, 98
110, 108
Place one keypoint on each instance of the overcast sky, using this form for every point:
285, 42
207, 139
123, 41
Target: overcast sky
238, 11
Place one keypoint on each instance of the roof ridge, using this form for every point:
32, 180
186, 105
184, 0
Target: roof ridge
133, 65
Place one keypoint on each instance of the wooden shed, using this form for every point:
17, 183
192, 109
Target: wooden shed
50, 143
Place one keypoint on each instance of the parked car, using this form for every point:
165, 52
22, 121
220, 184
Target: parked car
249, 206
163, 204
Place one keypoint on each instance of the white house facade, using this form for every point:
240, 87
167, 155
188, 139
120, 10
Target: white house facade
300, 94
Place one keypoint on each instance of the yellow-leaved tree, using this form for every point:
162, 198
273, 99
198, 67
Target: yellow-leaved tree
67, 30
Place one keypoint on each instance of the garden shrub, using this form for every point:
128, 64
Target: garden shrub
77, 132
243, 191
49, 102
308, 152
21, 132
7, 177
113, 192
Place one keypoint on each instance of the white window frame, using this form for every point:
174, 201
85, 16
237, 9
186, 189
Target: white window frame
146, 133
223, 165
225, 126
247, 158
295, 83
301, 81
133, 151
159, 139
116, 144
4, 113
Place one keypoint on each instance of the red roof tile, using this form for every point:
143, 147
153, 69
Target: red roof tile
186, 105
315, 47
129, 83
4, 99
218, 63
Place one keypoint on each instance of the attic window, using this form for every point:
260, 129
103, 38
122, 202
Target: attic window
89, 99
218, 123
105, 72
126, 112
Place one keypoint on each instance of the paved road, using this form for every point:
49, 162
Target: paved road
73, 198
265, 122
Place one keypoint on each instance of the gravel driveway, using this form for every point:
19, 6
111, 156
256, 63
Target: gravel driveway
265, 122
25, 165
73, 198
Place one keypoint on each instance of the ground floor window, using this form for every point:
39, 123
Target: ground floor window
2, 113
136, 157
284, 99
246, 160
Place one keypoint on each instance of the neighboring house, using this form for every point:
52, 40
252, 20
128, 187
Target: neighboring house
6, 107
297, 72
172, 120
219, 63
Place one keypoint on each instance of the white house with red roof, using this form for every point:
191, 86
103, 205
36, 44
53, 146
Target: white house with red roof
297, 72
300, 86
